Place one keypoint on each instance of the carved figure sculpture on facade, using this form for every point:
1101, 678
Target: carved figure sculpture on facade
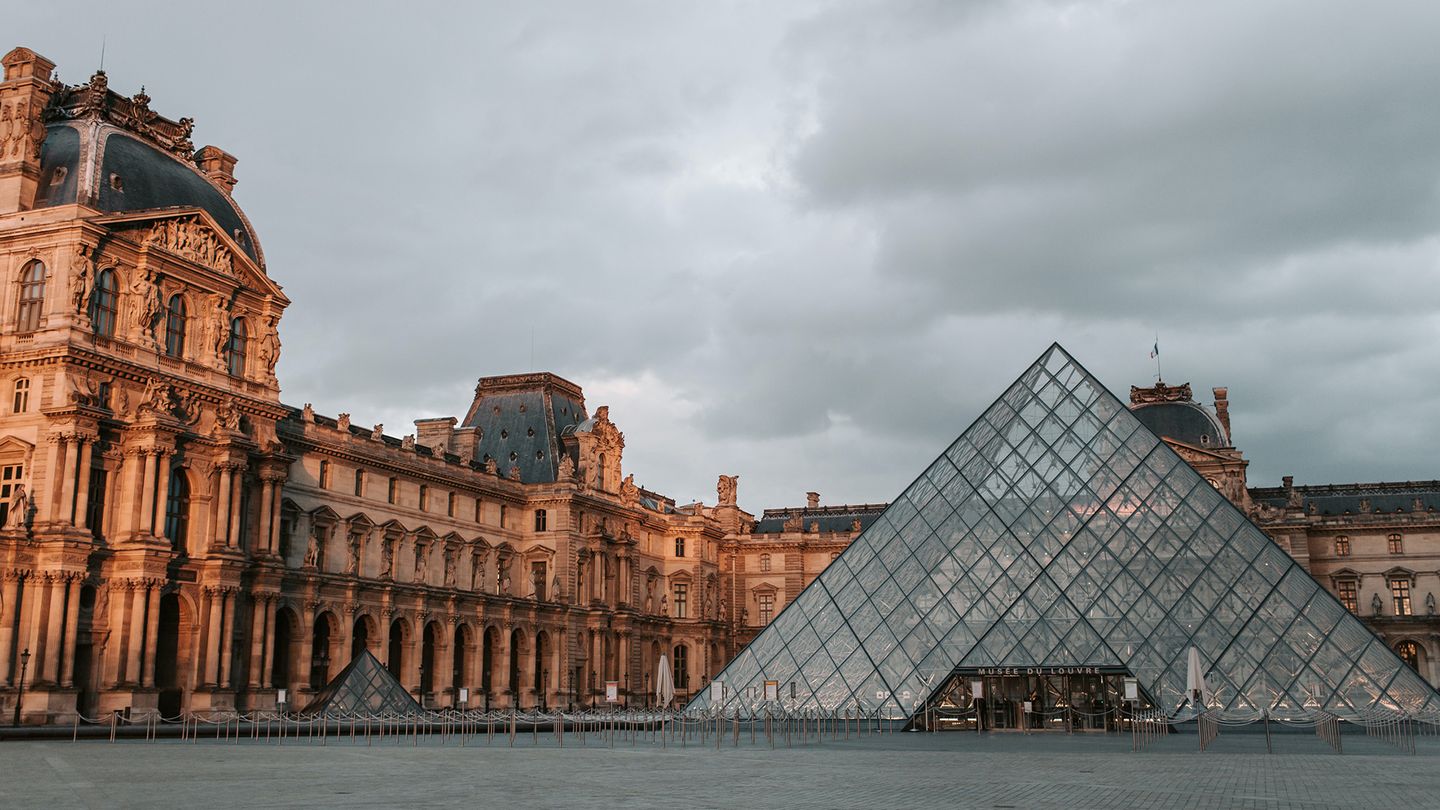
269, 348
450, 564
18, 514
422, 561
144, 306
387, 558
726, 488
218, 327
352, 566
312, 551
629, 493
82, 280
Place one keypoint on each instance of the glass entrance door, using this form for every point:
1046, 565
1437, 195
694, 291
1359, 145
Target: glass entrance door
1056, 702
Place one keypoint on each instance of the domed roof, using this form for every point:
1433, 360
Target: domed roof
1187, 422
104, 167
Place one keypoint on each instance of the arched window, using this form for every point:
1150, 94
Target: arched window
103, 303
175, 326
32, 297
21, 401
679, 547
235, 350
680, 666
1342, 546
1409, 652
764, 562
177, 509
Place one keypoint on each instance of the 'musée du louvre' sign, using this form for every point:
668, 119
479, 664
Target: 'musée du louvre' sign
995, 671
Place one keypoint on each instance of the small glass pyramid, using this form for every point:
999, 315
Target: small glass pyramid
1057, 530
364, 687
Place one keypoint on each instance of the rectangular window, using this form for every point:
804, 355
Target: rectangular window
360, 483
10, 477
767, 607
22, 396
682, 598
394, 488
1342, 546
95, 509
1396, 543
679, 547
1400, 592
502, 515
424, 498
479, 510
1348, 594
324, 475
450, 505
540, 519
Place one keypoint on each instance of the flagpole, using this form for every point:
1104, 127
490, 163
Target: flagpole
1158, 377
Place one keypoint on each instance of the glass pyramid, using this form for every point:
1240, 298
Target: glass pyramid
364, 687
1057, 530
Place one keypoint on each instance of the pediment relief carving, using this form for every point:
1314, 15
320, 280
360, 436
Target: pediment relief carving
193, 241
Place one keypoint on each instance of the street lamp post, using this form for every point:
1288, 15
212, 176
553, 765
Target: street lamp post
627, 689
20, 693
544, 688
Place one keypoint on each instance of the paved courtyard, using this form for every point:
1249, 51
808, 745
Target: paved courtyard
894, 770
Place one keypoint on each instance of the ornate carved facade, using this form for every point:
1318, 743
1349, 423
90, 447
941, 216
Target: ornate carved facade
176, 537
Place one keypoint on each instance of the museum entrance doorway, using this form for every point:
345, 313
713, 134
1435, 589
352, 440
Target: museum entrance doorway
1064, 699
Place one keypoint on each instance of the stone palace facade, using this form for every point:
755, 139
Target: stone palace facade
176, 537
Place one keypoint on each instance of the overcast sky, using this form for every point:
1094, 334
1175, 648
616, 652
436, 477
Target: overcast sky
807, 243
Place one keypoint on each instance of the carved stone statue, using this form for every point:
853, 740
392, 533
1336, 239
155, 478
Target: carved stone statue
505, 584
145, 304
19, 508
376, 433
1429, 604
629, 493
269, 348
352, 567
723, 610
387, 558
1376, 606
555, 589
514, 473
793, 523
312, 551
422, 561
855, 525
664, 604
82, 278
725, 488
567, 468
450, 563
477, 570
217, 326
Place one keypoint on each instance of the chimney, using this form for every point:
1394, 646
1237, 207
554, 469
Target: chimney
435, 433
23, 95
812, 500
1222, 410
218, 165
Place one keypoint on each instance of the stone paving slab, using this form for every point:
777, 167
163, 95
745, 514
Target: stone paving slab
893, 770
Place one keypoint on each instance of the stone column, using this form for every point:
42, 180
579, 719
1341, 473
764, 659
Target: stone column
624, 664
222, 507
137, 631
227, 636
257, 640
147, 494
55, 632
162, 491
597, 657
7, 624
72, 642
500, 678
82, 503
67, 479
112, 644
307, 644
52, 489
442, 678
152, 631
273, 536
267, 501
214, 599
272, 607
341, 641
237, 480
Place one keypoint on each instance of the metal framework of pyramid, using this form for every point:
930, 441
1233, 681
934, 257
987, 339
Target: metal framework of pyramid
1058, 530
363, 687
